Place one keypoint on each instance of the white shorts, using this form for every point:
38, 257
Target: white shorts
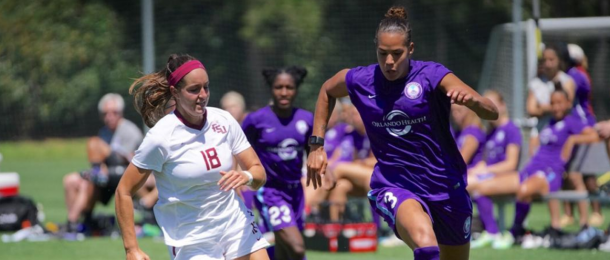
236, 242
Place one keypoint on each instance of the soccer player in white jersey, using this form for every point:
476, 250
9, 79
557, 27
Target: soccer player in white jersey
190, 152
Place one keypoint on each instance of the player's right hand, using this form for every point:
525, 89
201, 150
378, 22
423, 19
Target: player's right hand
603, 129
316, 165
136, 254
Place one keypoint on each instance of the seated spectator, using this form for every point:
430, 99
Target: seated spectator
550, 71
470, 138
337, 129
234, 103
582, 108
496, 173
352, 168
108, 153
350, 165
543, 172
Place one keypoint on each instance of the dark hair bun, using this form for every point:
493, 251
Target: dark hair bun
298, 73
398, 12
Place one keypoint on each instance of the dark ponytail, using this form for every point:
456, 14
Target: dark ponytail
395, 21
151, 92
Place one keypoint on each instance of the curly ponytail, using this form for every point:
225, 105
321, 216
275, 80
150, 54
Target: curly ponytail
151, 92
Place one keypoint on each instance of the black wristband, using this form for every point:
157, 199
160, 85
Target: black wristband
316, 140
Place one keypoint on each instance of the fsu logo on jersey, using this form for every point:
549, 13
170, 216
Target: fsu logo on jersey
219, 128
413, 90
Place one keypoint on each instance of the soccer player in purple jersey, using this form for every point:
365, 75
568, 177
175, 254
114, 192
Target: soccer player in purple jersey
419, 181
471, 138
279, 134
544, 170
582, 109
496, 173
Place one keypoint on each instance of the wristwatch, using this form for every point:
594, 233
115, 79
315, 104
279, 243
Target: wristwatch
316, 140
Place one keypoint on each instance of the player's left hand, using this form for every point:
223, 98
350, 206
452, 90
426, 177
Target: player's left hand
232, 180
461, 97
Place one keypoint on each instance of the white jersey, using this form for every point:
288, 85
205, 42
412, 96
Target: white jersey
187, 162
543, 88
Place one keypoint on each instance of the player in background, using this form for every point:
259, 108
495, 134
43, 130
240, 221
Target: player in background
279, 133
496, 173
190, 151
582, 109
551, 71
419, 181
471, 137
543, 172
235, 104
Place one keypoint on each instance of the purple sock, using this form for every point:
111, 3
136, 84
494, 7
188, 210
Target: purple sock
486, 212
376, 218
427, 253
521, 211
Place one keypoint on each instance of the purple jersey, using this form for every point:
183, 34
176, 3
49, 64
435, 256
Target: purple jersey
479, 135
582, 103
333, 137
552, 139
498, 140
354, 146
407, 122
279, 142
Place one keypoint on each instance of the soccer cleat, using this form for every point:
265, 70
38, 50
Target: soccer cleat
504, 241
605, 246
73, 236
484, 240
531, 241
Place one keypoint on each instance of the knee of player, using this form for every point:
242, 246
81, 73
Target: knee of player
423, 236
343, 185
72, 180
523, 195
298, 249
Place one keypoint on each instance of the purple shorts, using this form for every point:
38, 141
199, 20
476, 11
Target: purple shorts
451, 218
281, 207
551, 174
248, 198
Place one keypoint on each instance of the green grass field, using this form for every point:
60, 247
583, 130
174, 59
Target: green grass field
41, 166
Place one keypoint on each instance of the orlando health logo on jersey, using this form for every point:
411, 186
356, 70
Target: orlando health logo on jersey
398, 123
493, 146
548, 136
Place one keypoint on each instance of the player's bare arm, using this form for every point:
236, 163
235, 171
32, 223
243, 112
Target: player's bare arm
234, 179
332, 89
462, 94
132, 180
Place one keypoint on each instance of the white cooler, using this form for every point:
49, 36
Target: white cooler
9, 184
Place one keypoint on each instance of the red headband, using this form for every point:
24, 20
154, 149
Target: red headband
184, 69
